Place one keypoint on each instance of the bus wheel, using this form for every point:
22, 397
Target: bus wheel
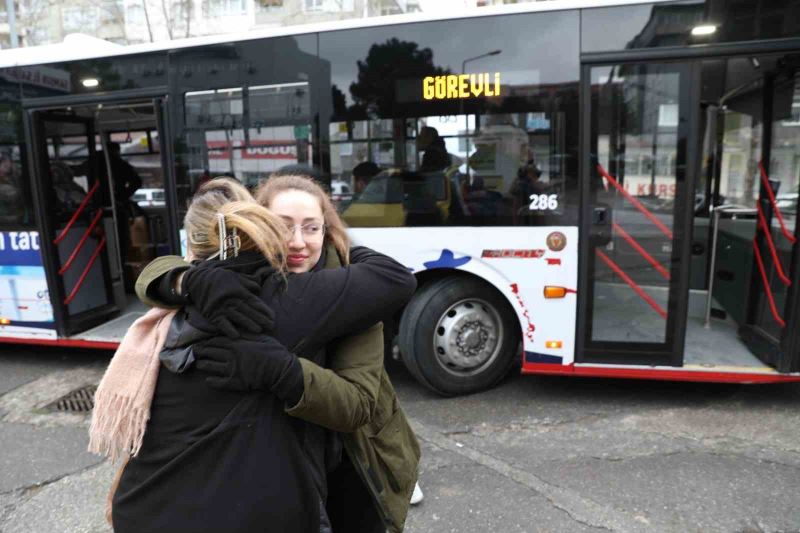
458, 335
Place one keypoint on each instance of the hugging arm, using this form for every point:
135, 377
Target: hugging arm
341, 300
228, 300
343, 398
242, 364
150, 286
346, 300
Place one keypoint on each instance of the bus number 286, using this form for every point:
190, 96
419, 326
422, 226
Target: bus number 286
544, 202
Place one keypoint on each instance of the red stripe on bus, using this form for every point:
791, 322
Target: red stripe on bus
656, 374
65, 343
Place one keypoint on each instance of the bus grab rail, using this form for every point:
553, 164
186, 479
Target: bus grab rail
767, 289
636, 203
85, 272
735, 210
80, 244
77, 213
774, 203
762, 223
638, 247
635, 245
632, 284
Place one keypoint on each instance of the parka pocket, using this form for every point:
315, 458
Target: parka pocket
397, 450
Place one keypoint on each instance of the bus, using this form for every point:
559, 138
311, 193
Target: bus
603, 188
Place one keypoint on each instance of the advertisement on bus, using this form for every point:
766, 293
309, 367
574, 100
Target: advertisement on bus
25, 308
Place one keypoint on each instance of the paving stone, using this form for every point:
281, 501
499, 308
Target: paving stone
74, 504
32, 455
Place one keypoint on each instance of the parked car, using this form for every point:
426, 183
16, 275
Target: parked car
149, 197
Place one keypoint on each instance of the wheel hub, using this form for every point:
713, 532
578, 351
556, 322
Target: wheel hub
467, 336
472, 338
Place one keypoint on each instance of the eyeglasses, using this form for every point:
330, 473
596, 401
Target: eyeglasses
311, 230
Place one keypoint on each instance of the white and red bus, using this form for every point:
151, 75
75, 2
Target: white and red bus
598, 188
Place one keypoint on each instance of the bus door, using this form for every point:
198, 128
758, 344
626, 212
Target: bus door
771, 318
77, 228
636, 213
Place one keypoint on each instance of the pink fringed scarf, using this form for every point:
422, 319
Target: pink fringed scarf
123, 398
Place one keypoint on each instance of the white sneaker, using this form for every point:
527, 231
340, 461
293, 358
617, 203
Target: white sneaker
417, 496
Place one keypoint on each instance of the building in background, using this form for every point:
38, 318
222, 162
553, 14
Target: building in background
136, 21
49, 21
5, 29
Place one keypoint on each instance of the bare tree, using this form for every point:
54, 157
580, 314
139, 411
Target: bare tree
173, 20
167, 18
147, 20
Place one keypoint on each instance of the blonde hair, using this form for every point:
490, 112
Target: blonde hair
257, 228
233, 189
335, 228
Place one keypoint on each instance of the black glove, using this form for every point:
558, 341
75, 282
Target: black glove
228, 300
247, 365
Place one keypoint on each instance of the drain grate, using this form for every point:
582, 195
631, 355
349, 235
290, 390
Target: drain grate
78, 401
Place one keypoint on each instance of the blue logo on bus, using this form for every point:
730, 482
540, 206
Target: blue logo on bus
448, 260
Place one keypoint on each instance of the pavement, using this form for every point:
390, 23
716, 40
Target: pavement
535, 454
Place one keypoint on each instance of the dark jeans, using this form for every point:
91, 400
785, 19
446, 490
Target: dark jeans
351, 508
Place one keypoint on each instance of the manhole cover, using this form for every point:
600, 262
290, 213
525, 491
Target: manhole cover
78, 401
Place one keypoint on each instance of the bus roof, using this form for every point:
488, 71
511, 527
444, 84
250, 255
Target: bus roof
77, 49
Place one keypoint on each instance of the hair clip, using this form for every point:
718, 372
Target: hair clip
223, 235
228, 244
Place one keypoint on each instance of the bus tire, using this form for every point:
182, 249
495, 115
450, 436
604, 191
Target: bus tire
458, 335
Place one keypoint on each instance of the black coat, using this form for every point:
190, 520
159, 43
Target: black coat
216, 460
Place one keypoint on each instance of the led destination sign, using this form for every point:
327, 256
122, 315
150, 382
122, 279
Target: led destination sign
454, 86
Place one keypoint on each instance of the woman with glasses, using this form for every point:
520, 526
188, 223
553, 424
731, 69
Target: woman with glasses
355, 503
354, 398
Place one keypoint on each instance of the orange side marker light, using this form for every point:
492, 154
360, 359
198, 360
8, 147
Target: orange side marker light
553, 345
551, 291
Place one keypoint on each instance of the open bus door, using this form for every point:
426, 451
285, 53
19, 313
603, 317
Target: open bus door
77, 231
770, 323
637, 213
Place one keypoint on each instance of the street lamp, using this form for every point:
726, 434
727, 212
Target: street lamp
487, 54
461, 104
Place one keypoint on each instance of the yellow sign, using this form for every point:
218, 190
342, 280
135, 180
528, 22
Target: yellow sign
461, 86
